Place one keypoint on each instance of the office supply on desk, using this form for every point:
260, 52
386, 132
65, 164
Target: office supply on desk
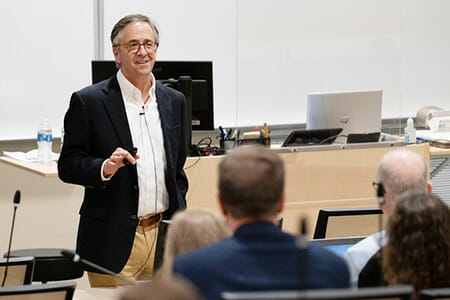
253, 137
436, 139
311, 137
266, 134
433, 117
372, 137
354, 112
30, 156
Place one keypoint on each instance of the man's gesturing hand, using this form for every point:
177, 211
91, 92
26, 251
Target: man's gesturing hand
115, 161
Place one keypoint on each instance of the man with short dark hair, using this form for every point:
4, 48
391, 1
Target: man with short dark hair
398, 171
126, 194
259, 256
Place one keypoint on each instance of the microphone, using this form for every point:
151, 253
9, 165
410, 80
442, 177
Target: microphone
71, 255
16, 198
16, 202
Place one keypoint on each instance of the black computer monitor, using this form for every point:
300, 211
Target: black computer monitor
164, 71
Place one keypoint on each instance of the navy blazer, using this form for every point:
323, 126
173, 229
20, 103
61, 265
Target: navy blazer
259, 256
94, 126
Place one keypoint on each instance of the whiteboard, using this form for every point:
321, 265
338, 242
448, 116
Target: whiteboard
267, 54
46, 50
287, 49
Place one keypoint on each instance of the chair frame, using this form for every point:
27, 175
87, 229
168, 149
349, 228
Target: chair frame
430, 294
28, 261
69, 287
403, 292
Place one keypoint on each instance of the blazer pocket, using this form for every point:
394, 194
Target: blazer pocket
95, 204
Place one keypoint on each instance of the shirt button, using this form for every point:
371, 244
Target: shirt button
135, 187
133, 217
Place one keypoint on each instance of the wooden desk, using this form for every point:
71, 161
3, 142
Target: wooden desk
316, 178
34, 167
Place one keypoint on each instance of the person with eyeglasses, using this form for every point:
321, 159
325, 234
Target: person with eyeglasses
125, 143
399, 171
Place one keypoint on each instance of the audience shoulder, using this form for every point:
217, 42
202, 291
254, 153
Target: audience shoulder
190, 260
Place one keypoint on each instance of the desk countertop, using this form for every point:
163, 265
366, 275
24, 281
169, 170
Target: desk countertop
34, 167
51, 170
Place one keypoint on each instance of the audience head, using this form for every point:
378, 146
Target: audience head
251, 183
418, 247
190, 230
400, 171
174, 289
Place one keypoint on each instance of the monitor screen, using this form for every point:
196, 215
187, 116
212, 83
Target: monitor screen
202, 84
354, 112
337, 245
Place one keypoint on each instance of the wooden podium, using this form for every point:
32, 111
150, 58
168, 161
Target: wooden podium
316, 177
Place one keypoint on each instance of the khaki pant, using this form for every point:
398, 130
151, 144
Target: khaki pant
140, 263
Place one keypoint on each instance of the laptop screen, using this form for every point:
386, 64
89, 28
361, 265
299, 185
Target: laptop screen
355, 112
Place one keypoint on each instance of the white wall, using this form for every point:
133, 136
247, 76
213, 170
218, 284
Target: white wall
267, 54
45, 54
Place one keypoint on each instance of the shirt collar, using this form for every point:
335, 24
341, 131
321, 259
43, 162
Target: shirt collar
131, 92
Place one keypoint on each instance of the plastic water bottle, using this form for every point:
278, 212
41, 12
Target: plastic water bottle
410, 131
44, 141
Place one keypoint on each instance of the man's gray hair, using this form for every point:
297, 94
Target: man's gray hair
403, 170
120, 25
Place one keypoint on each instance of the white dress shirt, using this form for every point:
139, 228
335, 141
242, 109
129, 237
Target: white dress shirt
359, 254
147, 137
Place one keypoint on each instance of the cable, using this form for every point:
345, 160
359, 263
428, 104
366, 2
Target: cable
193, 164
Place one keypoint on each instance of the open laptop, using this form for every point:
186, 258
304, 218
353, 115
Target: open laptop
356, 112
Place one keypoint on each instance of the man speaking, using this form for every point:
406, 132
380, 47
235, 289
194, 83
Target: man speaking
126, 194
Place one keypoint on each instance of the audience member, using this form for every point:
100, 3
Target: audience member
418, 247
174, 289
190, 230
399, 171
259, 256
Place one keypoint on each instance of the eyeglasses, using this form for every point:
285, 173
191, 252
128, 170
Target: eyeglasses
379, 188
133, 46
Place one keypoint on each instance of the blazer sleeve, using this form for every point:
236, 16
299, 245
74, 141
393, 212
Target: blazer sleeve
75, 164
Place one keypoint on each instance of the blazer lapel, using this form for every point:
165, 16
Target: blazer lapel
163, 108
114, 105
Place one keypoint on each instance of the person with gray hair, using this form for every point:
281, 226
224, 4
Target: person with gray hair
259, 256
125, 143
399, 171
